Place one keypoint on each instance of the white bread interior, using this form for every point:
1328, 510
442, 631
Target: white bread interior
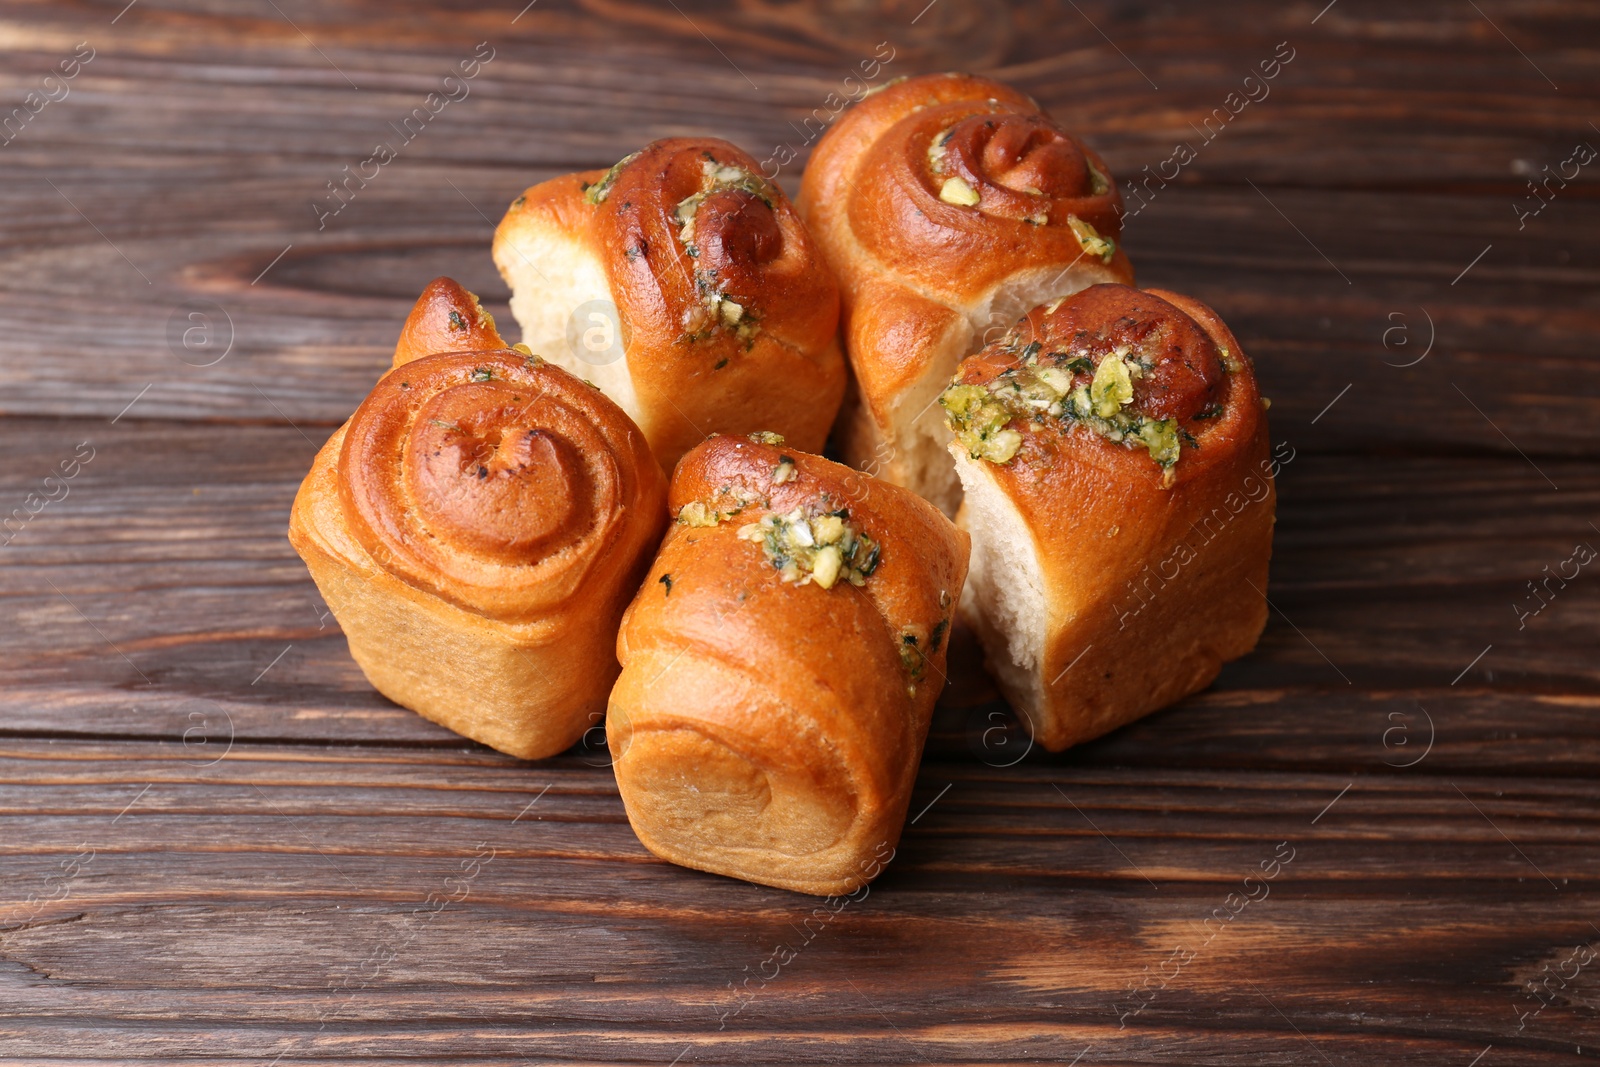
1005, 601
917, 424
552, 274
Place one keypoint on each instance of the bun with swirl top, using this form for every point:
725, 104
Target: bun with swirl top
477, 527
947, 206
684, 284
1119, 493
780, 666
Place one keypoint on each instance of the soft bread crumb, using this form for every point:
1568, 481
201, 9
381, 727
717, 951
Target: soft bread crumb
553, 278
1004, 600
919, 423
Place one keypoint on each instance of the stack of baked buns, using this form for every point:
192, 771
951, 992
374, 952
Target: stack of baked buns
520, 540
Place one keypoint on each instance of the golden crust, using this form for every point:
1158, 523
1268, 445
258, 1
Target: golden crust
727, 313
446, 318
770, 730
922, 278
1152, 579
477, 527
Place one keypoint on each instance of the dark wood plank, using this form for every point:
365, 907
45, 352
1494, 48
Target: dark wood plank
252, 144
1006, 930
160, 595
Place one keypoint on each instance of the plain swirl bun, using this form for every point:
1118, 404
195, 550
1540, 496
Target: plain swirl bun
477, 527
496, 481
947, 205
1119, 493
725, 316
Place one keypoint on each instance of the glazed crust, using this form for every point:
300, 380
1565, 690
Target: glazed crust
770, 730
477, 527
727, 313
1153, 578
446, 318
922, 279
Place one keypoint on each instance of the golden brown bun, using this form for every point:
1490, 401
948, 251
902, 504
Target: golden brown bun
477, 527
770, 730
1105, 586
923, 279
726, 312
446, 318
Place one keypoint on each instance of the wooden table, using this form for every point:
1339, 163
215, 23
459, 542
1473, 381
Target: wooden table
220, 844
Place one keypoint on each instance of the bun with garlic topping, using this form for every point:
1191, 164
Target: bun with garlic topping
477, 528
947, 206
684, 284
1119, 493
780, 667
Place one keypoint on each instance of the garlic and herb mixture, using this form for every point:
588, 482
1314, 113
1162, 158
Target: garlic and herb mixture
808, 546
1063, 386
1099, 184
596, 194
956, 190
730, 500
914, 653
1090, 241
723, 310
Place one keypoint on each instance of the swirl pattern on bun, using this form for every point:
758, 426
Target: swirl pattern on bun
477, 527
947, 206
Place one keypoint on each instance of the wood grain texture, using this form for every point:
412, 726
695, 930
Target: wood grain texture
217, 843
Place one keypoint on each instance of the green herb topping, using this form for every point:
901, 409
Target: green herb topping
1099, 184
880, 88
723, 310
1090, 241
981, 415
912, 658
809, 547
727, 502
596, 194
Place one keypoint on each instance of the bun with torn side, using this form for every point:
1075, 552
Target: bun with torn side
1119, 493
947, 206
477, 528
780, 667
684, 284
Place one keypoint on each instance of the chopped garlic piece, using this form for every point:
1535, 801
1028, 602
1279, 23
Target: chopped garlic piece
956, 191
695, 513
826, 566
821, 548
828, 529
1112, 387
1090, 241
